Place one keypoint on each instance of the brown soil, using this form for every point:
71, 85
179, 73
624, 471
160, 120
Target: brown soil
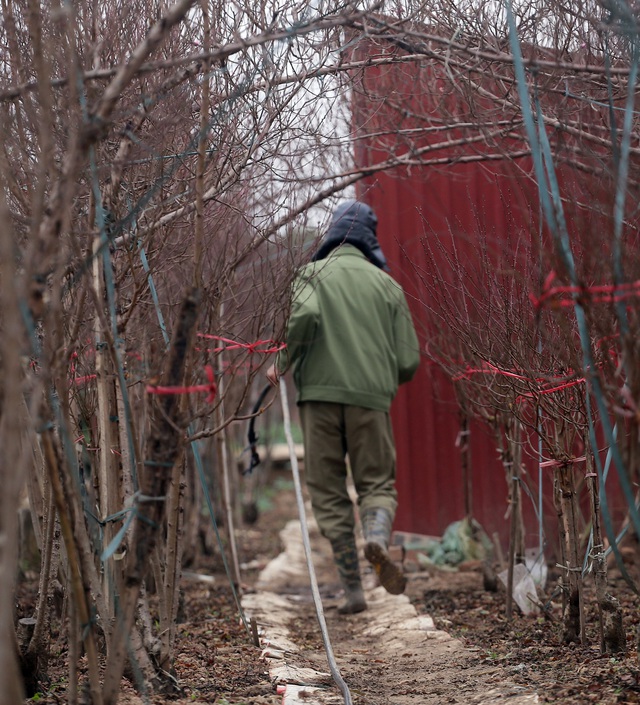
487, 659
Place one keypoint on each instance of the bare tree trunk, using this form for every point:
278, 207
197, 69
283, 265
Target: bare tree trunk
163, 450
202, 147
172, 566
13, 458
597, 549
128, 462
12, 688
465, 461
562, 540
70, 523
143, 655
35, 654
573, 622
228, 496
74, 653
191, 515
509, 447
514, 532
109, 468
611, 629
36, 477
128, 466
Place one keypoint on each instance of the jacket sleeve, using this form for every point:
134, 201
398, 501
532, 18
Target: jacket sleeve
303, 322
407, 345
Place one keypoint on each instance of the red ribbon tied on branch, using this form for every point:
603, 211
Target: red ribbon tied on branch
266, 346
564, 296
210, 387
487, 368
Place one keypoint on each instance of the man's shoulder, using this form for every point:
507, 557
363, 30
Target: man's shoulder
389, 281
311, 269
353, 268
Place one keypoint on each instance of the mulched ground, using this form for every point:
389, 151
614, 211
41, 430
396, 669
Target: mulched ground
218, 663
530, 648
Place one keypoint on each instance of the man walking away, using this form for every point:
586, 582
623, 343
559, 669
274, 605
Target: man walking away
350, 343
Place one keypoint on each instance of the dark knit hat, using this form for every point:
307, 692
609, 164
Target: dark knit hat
353, 223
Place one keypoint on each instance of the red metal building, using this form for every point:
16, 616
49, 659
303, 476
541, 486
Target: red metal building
426, 416
448, 203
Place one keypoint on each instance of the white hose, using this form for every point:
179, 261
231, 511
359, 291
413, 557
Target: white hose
307, 547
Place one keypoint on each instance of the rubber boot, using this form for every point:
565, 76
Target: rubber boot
345, 555
376, 526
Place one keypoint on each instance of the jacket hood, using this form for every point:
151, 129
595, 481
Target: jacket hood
353, 223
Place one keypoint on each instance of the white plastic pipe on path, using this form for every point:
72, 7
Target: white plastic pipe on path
333, 667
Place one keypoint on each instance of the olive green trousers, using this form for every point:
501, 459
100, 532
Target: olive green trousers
331, 432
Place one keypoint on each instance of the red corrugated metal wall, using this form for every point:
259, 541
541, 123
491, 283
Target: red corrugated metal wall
425, 413
448, 204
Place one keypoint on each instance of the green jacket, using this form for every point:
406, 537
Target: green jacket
350, 338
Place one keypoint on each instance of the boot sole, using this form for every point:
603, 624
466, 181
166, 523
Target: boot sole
390, 576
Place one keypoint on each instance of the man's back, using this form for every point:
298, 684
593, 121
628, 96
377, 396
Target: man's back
351, 338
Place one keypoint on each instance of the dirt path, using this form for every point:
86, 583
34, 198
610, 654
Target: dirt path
388, 655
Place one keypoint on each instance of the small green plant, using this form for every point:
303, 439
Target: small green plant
497, 656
